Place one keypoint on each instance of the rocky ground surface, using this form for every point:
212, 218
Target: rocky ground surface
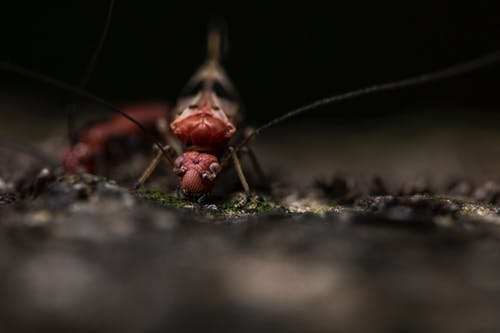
80, 253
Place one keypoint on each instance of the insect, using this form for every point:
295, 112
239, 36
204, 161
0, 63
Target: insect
91, 148
206, 120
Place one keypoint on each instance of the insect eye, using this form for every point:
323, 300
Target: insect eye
180, 171
208, 176
179, 161
214, 167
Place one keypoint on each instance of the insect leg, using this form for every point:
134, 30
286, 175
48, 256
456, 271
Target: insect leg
239, 171
154, 163
263, 181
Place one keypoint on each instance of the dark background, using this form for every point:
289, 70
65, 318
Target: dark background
281, 55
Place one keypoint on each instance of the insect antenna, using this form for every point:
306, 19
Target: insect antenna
93, 60
8, 67
445, 73
71, 116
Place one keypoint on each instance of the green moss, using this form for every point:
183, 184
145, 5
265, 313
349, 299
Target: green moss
235, 206
163, 199
463, 208
239, 205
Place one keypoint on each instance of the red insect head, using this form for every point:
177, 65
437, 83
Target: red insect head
196, 172
204, 126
